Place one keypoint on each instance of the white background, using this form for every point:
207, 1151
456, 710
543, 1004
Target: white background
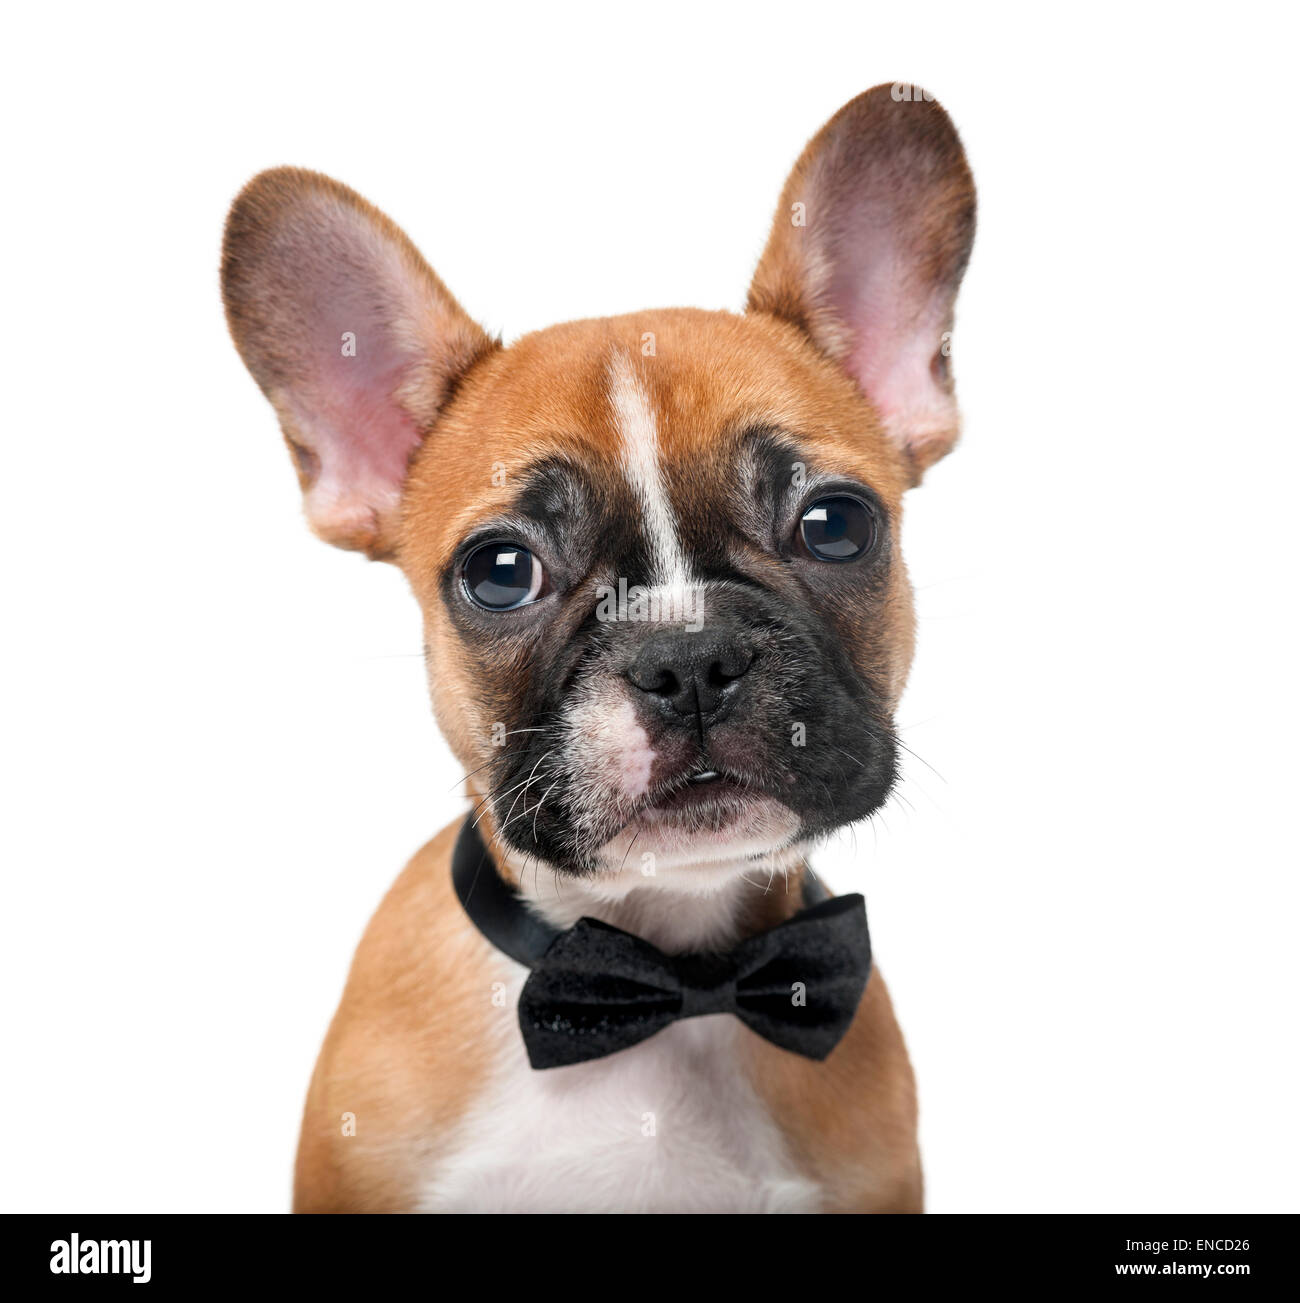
217, 747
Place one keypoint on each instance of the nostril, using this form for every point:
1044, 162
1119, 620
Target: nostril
732, 664
657, 679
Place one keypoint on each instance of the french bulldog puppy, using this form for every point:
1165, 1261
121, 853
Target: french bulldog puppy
667, 624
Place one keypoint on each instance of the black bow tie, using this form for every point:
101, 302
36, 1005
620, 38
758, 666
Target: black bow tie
595, 989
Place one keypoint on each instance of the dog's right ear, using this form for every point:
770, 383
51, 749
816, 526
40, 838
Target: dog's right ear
866, 253
351, 336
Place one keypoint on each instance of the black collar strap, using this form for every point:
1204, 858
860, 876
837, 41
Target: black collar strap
501, 916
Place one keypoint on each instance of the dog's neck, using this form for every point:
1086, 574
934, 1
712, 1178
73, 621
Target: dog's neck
694, 907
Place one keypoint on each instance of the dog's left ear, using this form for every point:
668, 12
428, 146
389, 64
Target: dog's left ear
352, 337
870, 241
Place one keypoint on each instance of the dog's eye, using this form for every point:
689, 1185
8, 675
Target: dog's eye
838, 529
501, 576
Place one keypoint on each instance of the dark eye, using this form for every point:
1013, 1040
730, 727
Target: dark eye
501, 576
838, 529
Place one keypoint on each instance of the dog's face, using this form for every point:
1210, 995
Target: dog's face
667, 617
687, 564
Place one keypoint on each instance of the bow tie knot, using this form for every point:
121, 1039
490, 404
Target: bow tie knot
708, 985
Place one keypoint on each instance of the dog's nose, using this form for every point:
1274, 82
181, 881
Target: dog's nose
692, 674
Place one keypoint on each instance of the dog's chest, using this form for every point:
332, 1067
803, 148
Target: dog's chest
670, 1125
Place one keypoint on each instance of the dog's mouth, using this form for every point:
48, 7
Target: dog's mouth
705, 798
699, 816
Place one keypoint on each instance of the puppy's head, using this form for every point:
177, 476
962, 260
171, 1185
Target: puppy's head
667, 617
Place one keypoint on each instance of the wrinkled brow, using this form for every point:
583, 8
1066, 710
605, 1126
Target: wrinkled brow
572, 507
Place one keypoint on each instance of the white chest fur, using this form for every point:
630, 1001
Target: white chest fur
670, 1125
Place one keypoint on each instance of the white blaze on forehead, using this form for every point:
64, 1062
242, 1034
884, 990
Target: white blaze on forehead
640, 434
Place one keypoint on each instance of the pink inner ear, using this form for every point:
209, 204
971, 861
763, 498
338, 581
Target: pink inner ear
361, 440
894, 325
892, 359
364, 436
360, 325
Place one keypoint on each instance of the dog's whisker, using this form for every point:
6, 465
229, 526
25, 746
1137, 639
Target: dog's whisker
541, 803
528, 782
628, 852
466, 777
925, 762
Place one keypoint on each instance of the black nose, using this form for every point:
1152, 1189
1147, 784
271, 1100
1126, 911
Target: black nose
690, 674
